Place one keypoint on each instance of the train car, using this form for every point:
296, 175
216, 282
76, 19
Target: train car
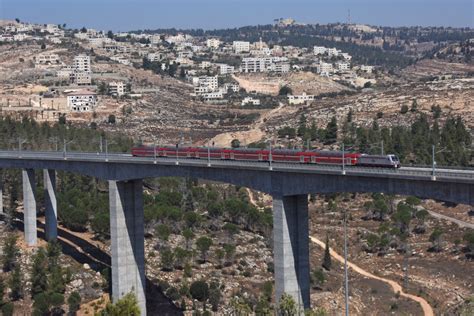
384, 161
277, 155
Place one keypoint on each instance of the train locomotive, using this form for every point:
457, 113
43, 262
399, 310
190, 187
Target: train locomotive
322, 157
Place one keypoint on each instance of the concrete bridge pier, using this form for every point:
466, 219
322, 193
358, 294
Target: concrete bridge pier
127, 240
51, 210
291, 248
29, 206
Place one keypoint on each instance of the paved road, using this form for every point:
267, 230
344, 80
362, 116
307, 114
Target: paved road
457, 174
459, 222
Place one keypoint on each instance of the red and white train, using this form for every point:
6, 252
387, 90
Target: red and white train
276, 155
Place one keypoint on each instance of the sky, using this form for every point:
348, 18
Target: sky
125, 15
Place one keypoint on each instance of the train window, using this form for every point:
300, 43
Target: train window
394, 158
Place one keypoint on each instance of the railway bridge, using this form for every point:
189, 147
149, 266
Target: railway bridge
289, 185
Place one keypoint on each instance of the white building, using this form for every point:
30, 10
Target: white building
264, 64
241, 47
367, 69
225, 69
117, 88
212, 96
250, 100
319, 50
81, 101
300, 99
333, 52
81, 78
346, 56
82, 63
47, 59
325, 69
211, 82
205, 64
234, 87
213, 43
343, 66
155, 39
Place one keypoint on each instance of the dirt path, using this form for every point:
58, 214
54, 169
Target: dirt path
254, 133
427, 310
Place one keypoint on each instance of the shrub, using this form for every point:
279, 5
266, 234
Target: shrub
74, 302
199, 290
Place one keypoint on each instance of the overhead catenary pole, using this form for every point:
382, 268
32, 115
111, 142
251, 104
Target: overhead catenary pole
208, 155
343, 160
433, 163
177, 153
270, 156
154, 152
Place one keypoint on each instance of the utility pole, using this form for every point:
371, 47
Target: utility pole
270, 156
381, 147
154, 152
405, 266
346, 279
433, 163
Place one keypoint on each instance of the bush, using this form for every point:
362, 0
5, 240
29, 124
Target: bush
7, 309
285, 90
199, 291
100, 224
404, 109
74, 302
173, 293
73, 218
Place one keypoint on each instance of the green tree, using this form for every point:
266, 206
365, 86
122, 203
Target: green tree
331, 131
414, 106
16, 284
199, 290
56, 282
285, 90
215, 295
181, 257
188, 236
402, 218
126, 306
267, 290
235, 143
7, 309
203, 244
10, 253
435, 238
74, 302
111, 119
404, 109
287, 305
327, 256
167, 259
229, 252
163, 233
2, 290
318, 278
39, 278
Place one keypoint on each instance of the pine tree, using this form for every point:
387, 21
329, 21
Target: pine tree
15, 284
74, 302
10, 253
39, 278
327, 256
331, 131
